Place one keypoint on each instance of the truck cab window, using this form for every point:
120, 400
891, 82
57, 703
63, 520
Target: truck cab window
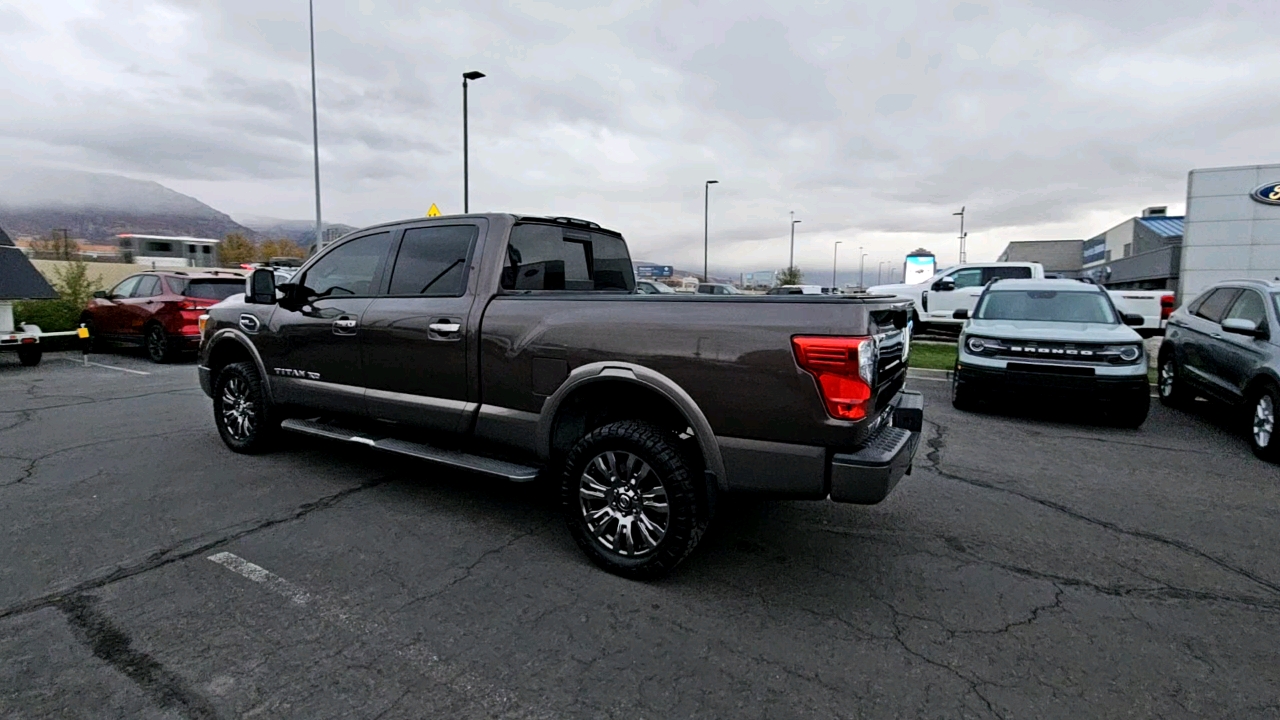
432, 261
1004, 273
349, 269
969, 277
550, 257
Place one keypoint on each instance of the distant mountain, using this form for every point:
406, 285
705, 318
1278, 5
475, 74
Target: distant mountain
98, 206
302, 232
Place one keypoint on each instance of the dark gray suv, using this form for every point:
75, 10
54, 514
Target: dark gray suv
1226, 346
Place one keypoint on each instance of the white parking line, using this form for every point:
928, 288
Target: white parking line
258, 574
476, 695
109, 367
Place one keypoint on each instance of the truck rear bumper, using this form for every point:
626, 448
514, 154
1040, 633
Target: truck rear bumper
864, 476
867, 476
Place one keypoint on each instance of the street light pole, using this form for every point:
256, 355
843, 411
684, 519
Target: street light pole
963, 235
792, 262
315, 120
835, 253
879, 268
861, 260
706, 223
466, 170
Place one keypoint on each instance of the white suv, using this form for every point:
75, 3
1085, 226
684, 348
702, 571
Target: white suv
1058, 338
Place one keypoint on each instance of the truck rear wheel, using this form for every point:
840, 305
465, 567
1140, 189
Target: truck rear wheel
241, 409
30, 356
630, 500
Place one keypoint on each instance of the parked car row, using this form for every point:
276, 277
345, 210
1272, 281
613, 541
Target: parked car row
158, 310
1066, 342
955, 288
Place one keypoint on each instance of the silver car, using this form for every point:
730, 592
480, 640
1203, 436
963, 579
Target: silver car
1059, 339
1225, 345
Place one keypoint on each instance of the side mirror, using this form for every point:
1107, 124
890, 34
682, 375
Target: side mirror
100, 294
1240, 326
960, 314
260, 287
1134, 320
945, 285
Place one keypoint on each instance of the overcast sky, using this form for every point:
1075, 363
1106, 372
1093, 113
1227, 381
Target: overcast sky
873, 121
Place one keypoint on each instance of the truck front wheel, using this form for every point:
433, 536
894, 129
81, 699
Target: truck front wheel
241, 409
630, 500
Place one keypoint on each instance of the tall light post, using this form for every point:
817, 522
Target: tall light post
466, 170
315, 120
706, 224
792, 261
879, 267
963, 234
861, 262
835, 254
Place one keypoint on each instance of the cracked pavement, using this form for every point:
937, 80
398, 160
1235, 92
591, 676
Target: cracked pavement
1026, 569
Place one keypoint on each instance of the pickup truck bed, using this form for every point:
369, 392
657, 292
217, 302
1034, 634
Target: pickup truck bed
511, 374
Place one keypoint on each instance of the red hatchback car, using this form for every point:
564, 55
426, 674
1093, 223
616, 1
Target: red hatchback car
159, 310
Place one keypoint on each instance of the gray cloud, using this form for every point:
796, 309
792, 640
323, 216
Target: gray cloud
1046, 119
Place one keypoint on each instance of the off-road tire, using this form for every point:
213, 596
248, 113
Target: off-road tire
30, 356
1171, 388
1131, 412
1268, 449
660, 450
157, 344
236, 382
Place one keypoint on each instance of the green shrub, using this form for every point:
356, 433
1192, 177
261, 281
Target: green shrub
75, 287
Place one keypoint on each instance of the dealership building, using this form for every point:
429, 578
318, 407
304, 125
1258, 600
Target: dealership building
1232, 227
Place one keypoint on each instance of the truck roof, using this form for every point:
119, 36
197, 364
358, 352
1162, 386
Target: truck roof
510, 217
1050, 284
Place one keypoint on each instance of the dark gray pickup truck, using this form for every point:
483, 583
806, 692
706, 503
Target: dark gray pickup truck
517, 346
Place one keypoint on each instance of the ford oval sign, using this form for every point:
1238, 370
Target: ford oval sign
1268, 194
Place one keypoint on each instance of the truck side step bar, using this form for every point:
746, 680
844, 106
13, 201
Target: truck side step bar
451, 458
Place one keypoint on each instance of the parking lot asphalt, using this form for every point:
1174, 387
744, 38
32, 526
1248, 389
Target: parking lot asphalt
1026, 569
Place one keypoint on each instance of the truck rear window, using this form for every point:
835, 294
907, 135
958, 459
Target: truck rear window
211, 289
550, 257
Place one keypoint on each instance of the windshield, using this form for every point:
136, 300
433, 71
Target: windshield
1046, 306
213, 289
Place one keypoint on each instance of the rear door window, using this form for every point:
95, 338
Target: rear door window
432, 261
551, 257
1213, 307
1004, 273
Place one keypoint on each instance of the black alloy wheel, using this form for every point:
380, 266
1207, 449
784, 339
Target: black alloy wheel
629, 498
30, 355
157, 344
241, 409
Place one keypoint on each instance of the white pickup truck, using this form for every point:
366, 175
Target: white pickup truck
959, 286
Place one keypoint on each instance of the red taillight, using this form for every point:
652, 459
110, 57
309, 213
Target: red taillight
192, 304
844, 368
1166, 307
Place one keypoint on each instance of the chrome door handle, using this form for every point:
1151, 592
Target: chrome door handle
444, 328
344, 324
1216, 336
